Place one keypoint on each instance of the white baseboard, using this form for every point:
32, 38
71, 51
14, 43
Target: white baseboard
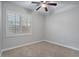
70, 47
20, 46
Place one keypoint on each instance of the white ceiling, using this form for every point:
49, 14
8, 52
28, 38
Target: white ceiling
60, 4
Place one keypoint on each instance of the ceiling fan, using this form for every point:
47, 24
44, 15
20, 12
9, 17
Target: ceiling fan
44, 4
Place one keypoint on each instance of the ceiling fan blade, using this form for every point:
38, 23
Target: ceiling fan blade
46, 9
41, 1
38, 7
54, 4
36, 2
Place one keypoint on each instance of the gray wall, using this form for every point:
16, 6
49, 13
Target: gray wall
63, 27
37, 25
0, 28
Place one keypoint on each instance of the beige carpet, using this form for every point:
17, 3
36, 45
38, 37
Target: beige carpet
41, 49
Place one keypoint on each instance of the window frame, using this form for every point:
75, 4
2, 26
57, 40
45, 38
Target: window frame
16, 34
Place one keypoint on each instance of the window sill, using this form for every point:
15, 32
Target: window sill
17, 35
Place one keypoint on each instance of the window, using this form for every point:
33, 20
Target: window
18, 24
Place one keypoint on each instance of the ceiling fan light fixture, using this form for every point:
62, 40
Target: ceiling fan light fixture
44, 5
